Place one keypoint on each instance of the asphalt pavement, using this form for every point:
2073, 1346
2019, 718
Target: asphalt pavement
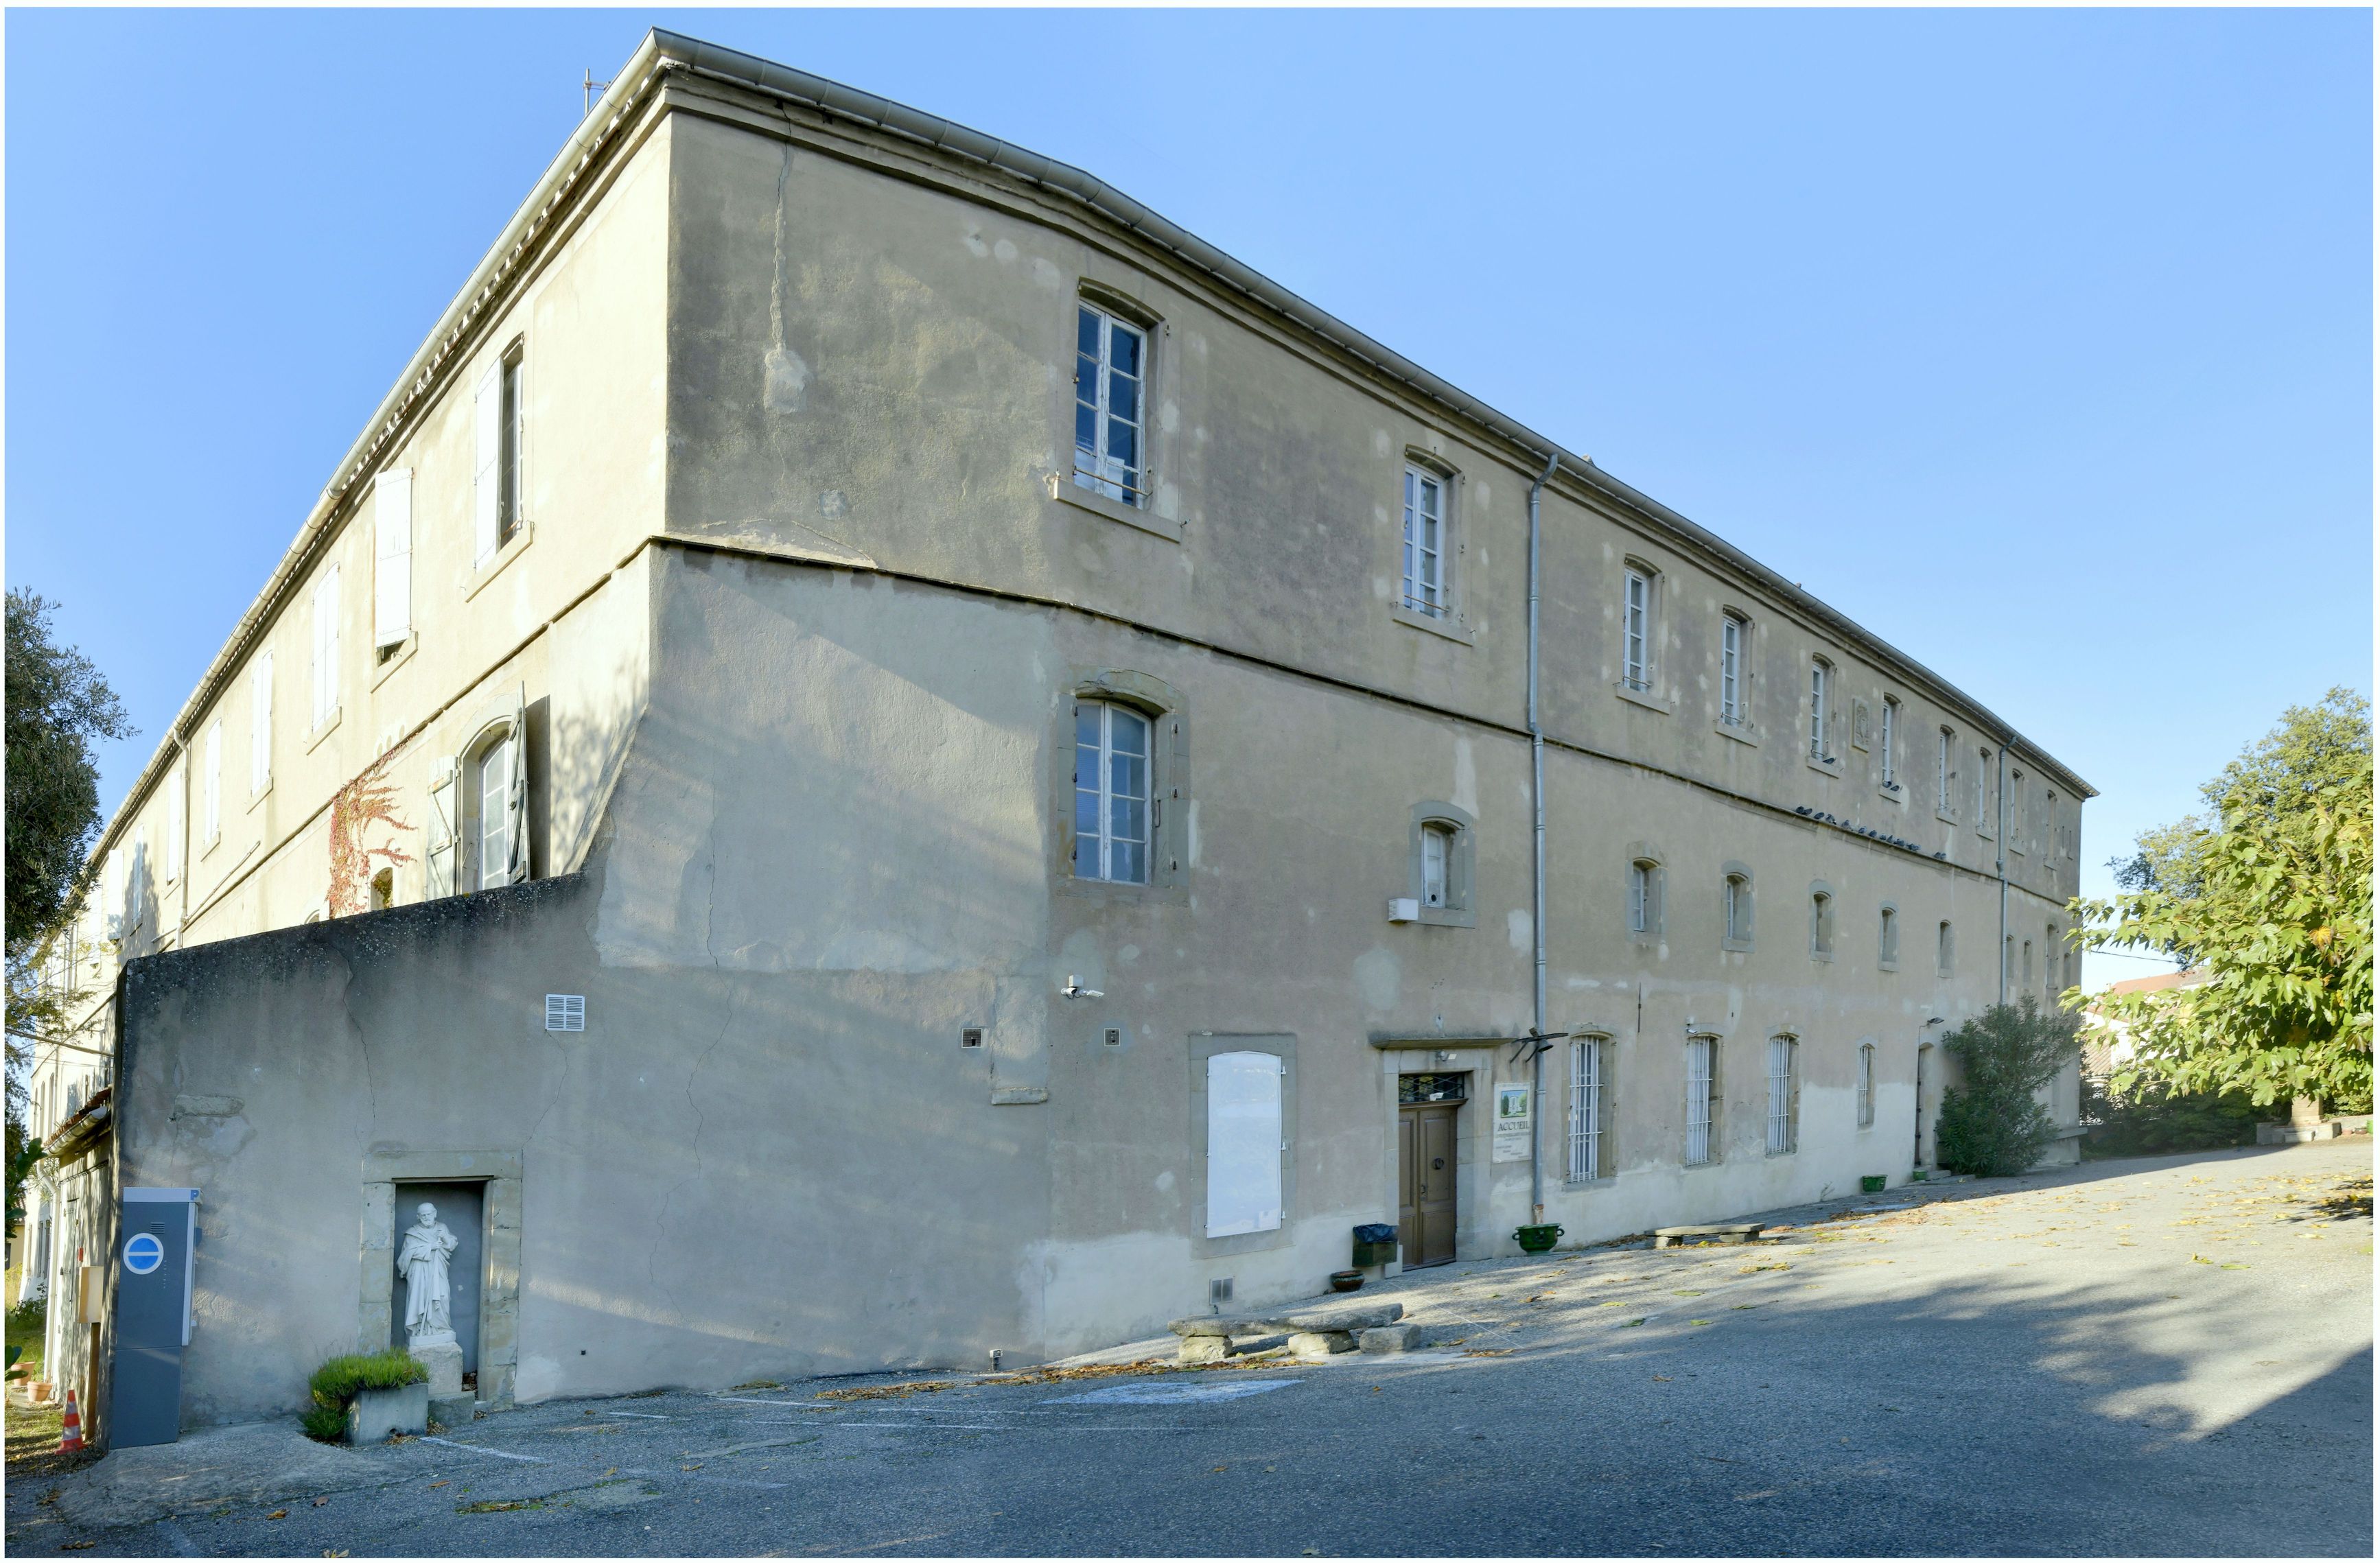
2161, 1357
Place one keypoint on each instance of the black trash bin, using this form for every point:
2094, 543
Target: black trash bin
1376, 1243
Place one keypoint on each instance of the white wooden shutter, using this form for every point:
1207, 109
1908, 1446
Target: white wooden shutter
326, 646
214, 816
440, 859
517, 799
177, 818
259, 733
487, 484
393, 558
1242, 1144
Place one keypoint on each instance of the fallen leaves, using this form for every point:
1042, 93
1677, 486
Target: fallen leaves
278, 1514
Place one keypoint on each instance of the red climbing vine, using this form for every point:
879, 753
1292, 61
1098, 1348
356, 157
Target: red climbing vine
369, 800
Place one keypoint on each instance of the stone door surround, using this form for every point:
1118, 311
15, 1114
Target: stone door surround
500, 1240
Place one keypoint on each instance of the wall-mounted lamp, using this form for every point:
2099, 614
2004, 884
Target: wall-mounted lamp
1074, 989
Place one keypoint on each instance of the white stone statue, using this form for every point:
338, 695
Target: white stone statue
427, 1300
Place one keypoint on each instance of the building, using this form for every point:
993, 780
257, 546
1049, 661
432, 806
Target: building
879, 755
2107, 1040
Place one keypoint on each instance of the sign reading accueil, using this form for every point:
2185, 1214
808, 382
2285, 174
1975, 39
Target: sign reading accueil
1512, 1123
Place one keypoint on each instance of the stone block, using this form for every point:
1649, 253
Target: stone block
373, 1414
1217, 1326
1317, 1344
1203, 1348
453, 1411
1375, 1315
444, 1361
1390, 1338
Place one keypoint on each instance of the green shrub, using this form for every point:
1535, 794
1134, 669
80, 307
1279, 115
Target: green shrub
29, 1321
2151, 1121
337, 1382
1990, 1124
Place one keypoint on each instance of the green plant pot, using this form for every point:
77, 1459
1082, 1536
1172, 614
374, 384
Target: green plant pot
1538, 1238
1874, 1184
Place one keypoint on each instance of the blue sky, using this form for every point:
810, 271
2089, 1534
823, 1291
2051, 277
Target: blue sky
2037, 341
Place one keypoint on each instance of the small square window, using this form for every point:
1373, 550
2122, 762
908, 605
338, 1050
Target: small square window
1111, 1036
565, 1011
971, 1036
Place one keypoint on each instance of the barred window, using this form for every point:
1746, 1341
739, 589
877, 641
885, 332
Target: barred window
1866, 1088
1780, 1094
1588, 1064
1702, 1098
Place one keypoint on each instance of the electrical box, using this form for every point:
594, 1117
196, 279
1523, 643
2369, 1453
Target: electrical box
156, 1232
1403, 908
90, 1292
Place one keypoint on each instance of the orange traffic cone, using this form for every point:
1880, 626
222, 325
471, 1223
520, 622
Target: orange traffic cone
70, 1428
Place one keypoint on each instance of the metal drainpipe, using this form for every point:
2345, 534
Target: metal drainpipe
1538, 880
1999, 846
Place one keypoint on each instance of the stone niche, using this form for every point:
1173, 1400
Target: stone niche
488, 1251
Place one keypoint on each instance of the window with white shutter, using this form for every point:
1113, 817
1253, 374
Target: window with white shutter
439, 860
326, 649
259, 725
210, 818
496, 466
391, 560
1244, 1144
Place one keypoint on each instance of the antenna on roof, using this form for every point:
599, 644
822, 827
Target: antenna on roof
590, 86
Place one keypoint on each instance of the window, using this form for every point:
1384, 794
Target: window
384, 890
1780, 1094
1425, 542
326, 649
495, 782
496, 511
1731, 632
2049, 947
1866, 1086
1244, 1144
210, 785
2053, 835
1822, 679
1644, 898
1587, 1124
1702, 1100
1945, 952
1888, 938
1736, 907
2007, 959
1945, 773
565, 1011
177, 827
1822, 925
1436, 859
2016, 811
392, 561
1111, 368
259, 725
1888, 731
1983, 796
1111, 793
1635, 630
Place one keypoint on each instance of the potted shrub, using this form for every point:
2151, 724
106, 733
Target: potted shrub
364, 1399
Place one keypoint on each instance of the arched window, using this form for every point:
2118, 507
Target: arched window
1589, 1070
1781, 1094
491, 825
384, 890
1636, 629
1822, 690
1822, 925
1945, 952
1945, 773
1702, 1100
1736, 905
1866, 1084
1733, 631
1111, 793
1887, 735
1888, 938
1437, 862
1644, 897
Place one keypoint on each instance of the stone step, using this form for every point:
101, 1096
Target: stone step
1303, 1322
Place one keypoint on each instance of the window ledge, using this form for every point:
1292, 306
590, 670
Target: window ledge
1945, 815
1893, 794
404, 653
1741, 732
1832, 765
1452, 628
1644, 698
1825, 955
209, 845
330, 725
1447, 917
1888, 966
1065, 491
260, 795
512, 549
1736, 946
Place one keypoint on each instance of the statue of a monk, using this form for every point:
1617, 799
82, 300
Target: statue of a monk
423, 1261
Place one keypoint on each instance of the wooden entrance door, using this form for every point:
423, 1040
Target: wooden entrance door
1425, 1184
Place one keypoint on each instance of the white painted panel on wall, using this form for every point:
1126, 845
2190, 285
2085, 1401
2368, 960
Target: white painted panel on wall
1242, 1144
393, 558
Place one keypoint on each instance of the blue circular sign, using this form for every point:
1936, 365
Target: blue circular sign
143, 1253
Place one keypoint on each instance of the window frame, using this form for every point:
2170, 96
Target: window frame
1135, 496
1636, 628
1645, 876
1737, 890
1151, 803
1888, 938
1822, 921
1734, 632
1945, 949
1946, 775
1887, 740
1782, 1135
1461, 909
1703, 1046
1170, 774
1864, 1087
1822, 715
1587, 1116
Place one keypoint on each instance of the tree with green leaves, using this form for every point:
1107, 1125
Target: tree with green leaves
2271, 899
58, 706
1991, 1124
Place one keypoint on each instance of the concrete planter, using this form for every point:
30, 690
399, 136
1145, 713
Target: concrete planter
376, 1414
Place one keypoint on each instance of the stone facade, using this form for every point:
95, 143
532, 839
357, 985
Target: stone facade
787, 652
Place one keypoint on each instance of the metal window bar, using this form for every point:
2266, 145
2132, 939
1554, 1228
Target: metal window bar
1110, 365
1817, 710
1699, 1060
1945, 774
1780, 1094
1867, 1085
1633, 669
1884, 740
1586, 1110
1425, 522
1112, 794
